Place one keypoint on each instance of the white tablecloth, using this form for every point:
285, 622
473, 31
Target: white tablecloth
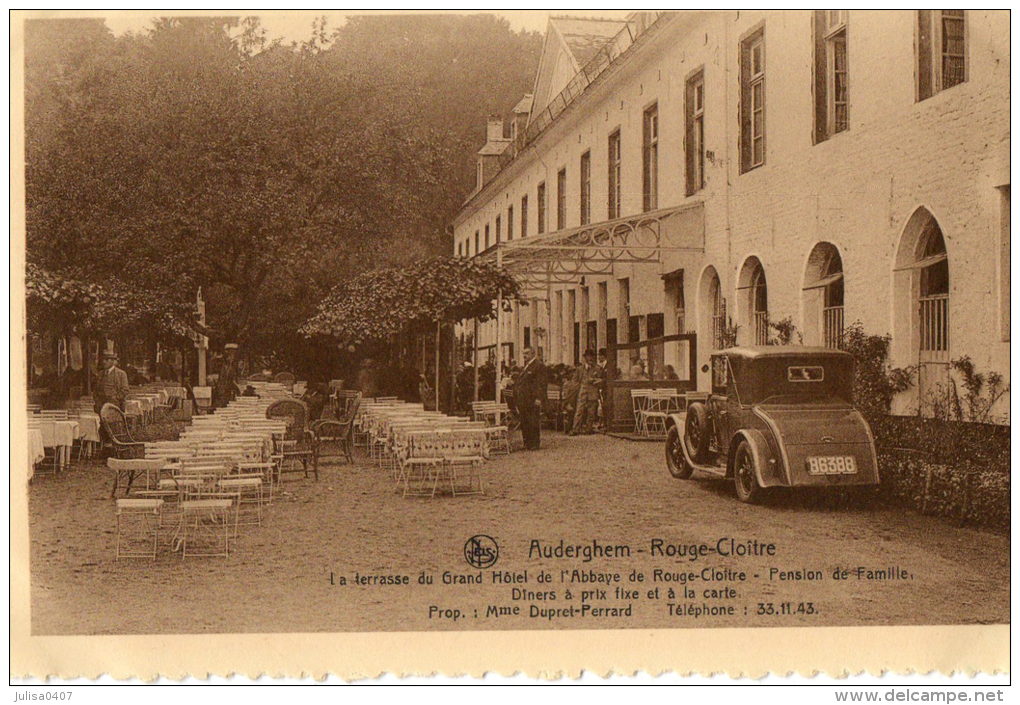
88, 427
35, 450
132, 407
55, 433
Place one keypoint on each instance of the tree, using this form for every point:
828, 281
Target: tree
379, 304
195, 154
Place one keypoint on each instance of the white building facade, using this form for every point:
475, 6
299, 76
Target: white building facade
715, 172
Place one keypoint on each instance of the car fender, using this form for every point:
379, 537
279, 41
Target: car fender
677, 420
767, 467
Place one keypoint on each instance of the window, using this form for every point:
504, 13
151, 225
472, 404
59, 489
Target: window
585, 188
498, 230
934, 294
614, 175
941, 51
695, 124
831, 97
752, 304
718, 310
486, 236
524, 216
510, 223
541, 208
477, 250
822, 297
752, 101
561, 199
760, 307
650, 159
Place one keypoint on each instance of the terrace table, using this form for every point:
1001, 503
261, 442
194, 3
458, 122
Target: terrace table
57, 434
36, 450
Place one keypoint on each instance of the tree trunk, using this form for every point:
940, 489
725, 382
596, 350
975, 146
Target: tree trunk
436, 393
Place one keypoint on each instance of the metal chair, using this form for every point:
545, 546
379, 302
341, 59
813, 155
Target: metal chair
298, 444
137, 521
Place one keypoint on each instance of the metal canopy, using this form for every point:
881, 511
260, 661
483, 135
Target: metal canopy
565, 256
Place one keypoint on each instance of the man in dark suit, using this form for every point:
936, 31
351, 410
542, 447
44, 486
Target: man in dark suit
591, 377
529, 394
112, 385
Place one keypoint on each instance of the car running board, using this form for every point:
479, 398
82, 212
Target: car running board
716, 470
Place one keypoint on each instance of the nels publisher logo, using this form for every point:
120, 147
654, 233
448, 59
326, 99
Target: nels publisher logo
481, 551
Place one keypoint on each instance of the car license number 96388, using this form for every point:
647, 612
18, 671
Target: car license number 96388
832, 465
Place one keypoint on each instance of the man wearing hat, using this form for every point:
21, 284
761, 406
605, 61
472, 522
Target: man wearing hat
112, 386
591, 377
225, 389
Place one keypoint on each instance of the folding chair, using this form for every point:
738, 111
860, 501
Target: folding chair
138, 523
639, 402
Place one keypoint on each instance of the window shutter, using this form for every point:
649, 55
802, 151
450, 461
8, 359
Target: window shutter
689, 146
745, 106
924, 55
821, 104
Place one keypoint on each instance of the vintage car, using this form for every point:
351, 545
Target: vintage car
776, 416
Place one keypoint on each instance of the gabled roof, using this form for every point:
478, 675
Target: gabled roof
524, 104
584, 36
496, 147
570, 42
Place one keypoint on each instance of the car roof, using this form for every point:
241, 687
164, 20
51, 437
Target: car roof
755, 352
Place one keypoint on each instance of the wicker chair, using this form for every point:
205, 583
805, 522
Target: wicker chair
284, 378
259, 377
299, 444
339, 431
118, 437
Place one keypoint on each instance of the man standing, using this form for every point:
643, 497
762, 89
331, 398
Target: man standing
605, 374
529, 393
591, 377
112, 386
225, 390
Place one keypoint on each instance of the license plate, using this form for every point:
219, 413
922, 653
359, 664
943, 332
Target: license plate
832, 465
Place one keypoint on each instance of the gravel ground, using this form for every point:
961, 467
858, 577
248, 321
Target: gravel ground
285, 575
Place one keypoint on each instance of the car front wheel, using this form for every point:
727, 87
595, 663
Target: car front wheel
744, 477
676, 463
696, 432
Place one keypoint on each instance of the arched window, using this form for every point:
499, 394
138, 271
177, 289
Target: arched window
754, 300
712, 310
823, 296
921, 333
933, 299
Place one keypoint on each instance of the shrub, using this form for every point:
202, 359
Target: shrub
875, 382
785, 331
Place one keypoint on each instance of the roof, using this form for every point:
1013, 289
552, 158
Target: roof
494, 147
586, 35
763, 351
524, 104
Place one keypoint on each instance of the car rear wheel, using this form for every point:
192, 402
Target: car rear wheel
744, 477
676, 463
696, 432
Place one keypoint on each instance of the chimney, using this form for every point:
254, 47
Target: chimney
494, 129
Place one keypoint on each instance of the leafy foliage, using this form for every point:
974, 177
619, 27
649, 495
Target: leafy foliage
875, 382
785, 330
981, 392
378, 304
68, 304
196, 154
